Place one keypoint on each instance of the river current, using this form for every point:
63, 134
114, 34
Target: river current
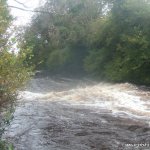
73, 114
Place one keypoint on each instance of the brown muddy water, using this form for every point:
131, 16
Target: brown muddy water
70, 114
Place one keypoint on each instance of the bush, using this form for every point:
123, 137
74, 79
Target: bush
13, 74
58, 59
5, 146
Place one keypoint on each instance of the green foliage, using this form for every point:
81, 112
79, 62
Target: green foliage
13, 70
66, 27
5, 146
5, 17
58, 59
6, 121
13, 74
5, 20
108, 38
123, 47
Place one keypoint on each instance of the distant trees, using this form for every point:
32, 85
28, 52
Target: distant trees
121, 49
58, 39
108, 38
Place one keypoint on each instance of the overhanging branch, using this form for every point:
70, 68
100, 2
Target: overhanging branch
21, 3
23, 9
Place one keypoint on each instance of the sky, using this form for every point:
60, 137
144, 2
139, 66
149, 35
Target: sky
24, 17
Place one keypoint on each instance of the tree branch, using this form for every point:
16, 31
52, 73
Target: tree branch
38, 11
21, 3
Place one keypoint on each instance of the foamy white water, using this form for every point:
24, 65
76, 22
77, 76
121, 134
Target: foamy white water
69, 114
117, 98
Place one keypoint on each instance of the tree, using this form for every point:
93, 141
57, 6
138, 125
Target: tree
13, 71
62, 31
5, 20
122, 45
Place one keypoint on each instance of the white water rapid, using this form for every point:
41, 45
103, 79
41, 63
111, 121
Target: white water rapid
71, 114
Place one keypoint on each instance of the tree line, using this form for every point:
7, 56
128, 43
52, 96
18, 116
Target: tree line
109, 39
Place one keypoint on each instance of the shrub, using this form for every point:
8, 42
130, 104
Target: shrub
13, 74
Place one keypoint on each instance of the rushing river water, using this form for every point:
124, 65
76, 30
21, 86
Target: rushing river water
69, 114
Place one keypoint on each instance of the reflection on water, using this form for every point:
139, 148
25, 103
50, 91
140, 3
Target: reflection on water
69, 114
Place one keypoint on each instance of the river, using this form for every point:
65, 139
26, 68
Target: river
73, 114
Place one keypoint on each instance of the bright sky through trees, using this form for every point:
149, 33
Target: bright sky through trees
23, 17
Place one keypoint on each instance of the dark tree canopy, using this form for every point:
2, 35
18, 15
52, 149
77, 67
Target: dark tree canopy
107, 38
